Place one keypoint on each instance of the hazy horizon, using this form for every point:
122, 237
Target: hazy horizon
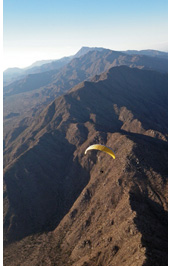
43, 59
43, 30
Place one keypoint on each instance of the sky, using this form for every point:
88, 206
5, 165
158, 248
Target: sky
51, 29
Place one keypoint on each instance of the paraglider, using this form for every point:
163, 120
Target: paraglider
101, 147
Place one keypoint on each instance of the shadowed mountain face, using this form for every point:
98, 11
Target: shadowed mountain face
28, 96
95, 61
66, 208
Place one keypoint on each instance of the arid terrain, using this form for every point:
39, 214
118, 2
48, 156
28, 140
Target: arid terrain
62, 207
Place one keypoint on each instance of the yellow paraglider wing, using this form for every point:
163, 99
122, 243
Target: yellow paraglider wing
101, 147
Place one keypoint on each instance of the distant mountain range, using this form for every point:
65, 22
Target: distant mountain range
13, 74
62, 207
153, 53
43, 87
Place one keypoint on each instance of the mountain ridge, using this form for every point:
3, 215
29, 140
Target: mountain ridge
149, 52
30, 95
160, 97
10, 74
67, 208
52, 132
113, 53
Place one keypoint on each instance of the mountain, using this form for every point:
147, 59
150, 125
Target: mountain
29, 95
62, 207
95, 61
12, 74
149, 52
40, 63
84, 50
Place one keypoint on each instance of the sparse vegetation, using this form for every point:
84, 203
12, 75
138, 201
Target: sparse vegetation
64, 208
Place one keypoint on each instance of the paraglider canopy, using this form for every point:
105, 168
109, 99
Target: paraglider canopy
101, 147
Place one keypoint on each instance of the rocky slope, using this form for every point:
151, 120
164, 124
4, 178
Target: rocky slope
64, 208
24, 99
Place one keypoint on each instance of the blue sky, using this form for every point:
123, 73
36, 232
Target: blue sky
50, 29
